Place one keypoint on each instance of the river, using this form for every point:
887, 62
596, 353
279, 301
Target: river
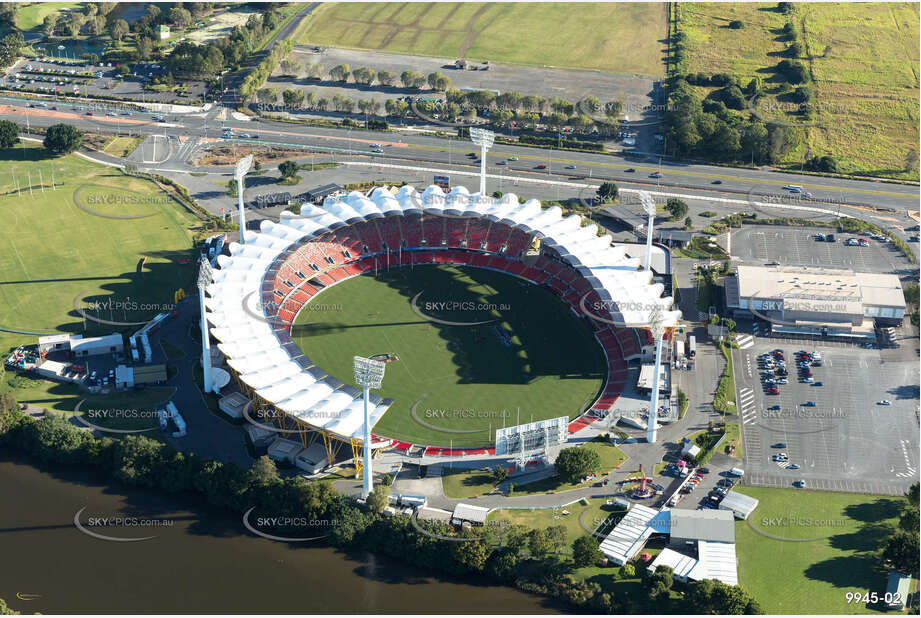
201, 563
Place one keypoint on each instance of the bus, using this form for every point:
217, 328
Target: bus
692, 346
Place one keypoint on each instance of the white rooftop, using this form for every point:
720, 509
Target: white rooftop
252, 348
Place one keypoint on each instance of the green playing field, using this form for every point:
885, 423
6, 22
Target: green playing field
513, 352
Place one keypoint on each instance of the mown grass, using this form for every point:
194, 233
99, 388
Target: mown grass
814, 575
615, 37
863, 60
455, 385
54, 254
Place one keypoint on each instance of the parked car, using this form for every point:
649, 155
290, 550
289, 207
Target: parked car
779, 445
884, 402
793, 466
809, 404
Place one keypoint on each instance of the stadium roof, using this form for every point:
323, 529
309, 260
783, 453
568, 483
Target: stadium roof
260, 350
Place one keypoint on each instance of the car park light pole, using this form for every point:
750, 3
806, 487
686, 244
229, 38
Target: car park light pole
484, 138
205, 276
239, 174
369, 373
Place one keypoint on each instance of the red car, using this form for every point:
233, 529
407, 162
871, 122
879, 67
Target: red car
541, 167
773, 391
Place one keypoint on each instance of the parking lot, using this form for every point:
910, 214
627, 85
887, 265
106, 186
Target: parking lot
795, 246
77, 78
847, 441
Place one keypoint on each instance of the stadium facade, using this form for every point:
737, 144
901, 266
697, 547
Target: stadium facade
259, 288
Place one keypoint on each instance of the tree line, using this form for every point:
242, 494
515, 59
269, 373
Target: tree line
527, 559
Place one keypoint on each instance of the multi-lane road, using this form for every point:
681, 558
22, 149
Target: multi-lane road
705, 181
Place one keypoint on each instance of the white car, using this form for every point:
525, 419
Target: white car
884, 402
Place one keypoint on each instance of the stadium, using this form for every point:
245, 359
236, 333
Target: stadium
477, 304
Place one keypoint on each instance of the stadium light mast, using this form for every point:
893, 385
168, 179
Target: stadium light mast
239, 174
484, 138
650, 207
205, 276
657, 328
369, 374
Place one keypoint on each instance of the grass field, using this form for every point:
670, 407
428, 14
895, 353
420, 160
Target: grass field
121, 146
866, 83
813, 575
580, 520
466, 483
31, 15
53, 253
463, 382
614, 37
610, 456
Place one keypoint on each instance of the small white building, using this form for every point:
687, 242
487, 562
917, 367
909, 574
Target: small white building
233, 404
468, 513
91, 346
312, 459
259, 436
284, 450
740, 505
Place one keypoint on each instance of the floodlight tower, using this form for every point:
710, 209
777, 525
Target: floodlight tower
239, 174
657, 328
205, 276
369, 374
650, 207
484, 138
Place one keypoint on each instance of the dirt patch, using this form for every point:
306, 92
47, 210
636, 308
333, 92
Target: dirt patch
226, 155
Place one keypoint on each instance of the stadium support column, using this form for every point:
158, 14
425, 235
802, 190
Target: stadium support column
239, 174
369, 373
657, 328
204, 280
650, 207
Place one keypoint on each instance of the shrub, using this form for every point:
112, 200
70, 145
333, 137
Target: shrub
736, 24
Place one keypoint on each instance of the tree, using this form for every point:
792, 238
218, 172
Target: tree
628, 571
911, 160
590, 105
314, 70
786, 7
558, 536
688, 223
104, 8
909, 520
153, 12
288, 169
614, 109
50, 24
659, 583
267, 95
607, 192
901, 551
75, 24
6, 610
539, 543
736, 24
363, 76
264, 471
574, 463
796, 50
119, 29
710, 596
340, 72
63, 138
386, 78
677, 208
180, 17
9, 134
585, 551
412, 79
293, 98
499, 475
290, 68
144, 47
914, 492
379, 498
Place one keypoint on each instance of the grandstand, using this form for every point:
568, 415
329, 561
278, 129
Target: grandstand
283, 266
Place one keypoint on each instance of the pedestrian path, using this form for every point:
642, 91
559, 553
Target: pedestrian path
747, 408
745, 341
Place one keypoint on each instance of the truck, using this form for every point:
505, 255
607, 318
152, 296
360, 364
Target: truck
692, 346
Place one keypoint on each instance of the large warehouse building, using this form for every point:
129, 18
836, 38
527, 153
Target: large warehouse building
816, 301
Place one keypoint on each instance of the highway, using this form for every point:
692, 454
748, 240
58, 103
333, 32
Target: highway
407, 145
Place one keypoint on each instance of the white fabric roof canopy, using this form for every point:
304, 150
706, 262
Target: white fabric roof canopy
239, 322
